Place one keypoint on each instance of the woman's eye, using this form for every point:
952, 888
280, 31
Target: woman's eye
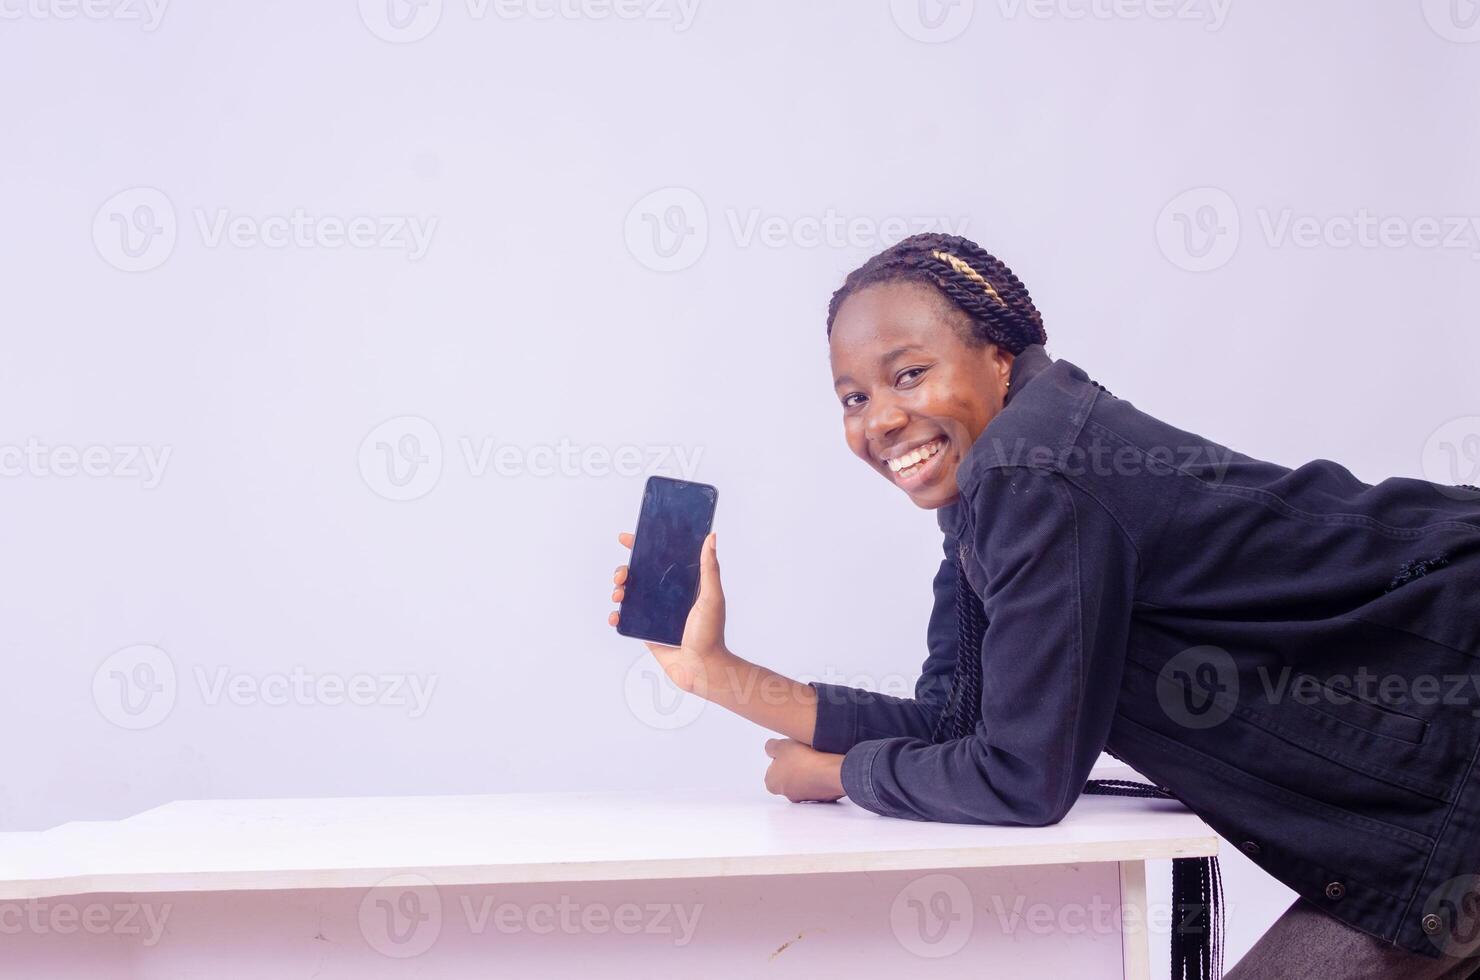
848, 400
908, 375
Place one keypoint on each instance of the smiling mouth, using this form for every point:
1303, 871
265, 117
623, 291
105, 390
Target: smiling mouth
910, 467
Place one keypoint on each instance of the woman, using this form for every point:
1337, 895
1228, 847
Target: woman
1288, 651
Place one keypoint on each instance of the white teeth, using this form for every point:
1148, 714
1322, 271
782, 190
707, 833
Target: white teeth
914, 456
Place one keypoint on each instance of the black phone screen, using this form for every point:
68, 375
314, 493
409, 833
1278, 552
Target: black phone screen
663, 575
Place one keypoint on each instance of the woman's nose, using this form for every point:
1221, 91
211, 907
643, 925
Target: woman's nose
884, 418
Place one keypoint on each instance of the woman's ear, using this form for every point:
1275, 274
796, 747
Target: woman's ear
1004, 361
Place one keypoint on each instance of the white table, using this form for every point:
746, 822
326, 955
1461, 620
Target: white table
384, 868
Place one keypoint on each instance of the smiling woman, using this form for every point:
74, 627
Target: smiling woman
918, 377
1111, 583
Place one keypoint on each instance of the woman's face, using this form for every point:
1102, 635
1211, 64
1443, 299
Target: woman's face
915, 395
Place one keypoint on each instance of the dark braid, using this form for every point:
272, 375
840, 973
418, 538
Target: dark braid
994, 300
963, 710
1197, 886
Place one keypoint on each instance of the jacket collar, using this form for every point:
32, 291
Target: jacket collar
1025, 367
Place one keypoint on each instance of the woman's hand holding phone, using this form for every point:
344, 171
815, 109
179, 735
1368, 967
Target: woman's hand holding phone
704, 666
702, 649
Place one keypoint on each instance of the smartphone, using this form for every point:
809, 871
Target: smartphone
663, 575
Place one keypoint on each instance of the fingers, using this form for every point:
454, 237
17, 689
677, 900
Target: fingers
619, 579
771, 744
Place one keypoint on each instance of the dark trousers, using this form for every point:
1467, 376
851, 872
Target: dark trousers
1307, 943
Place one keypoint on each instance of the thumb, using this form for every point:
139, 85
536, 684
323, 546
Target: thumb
709, 583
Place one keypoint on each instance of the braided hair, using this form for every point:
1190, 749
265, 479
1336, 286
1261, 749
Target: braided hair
996, 303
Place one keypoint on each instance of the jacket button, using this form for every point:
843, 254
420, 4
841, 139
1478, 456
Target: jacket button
1432, 923
1335, 890
1249, 847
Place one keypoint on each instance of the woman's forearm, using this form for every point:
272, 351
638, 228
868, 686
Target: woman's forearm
763, 696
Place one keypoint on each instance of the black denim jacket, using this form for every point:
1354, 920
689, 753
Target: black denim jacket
1208, 618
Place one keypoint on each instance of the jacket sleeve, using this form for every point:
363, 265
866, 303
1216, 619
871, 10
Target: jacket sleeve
1060, 577
848, 715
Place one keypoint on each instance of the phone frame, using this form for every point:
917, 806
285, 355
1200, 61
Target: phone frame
647, 488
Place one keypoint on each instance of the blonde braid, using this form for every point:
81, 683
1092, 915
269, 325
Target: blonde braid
963, 267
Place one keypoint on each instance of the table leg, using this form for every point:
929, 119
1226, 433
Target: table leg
1134, 952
